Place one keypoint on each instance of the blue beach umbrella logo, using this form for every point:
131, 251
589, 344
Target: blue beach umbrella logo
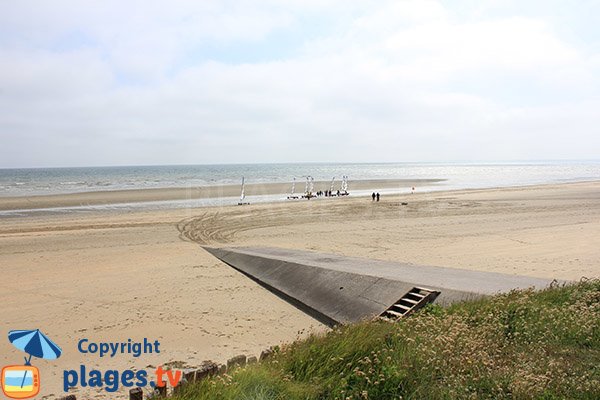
34, 343
20, 382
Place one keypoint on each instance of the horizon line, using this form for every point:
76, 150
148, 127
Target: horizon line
471, 162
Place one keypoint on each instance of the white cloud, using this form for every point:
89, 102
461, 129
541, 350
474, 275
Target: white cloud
401, 80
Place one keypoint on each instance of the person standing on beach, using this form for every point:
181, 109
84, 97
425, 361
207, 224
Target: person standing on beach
373, 196
377, 196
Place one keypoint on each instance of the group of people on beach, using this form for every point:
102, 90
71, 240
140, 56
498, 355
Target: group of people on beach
375, 196
327, 193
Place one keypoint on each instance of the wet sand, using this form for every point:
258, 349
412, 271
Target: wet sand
191, 193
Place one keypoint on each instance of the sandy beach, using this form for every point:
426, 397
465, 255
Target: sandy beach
110, 276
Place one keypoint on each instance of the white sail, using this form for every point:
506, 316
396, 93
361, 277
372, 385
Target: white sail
243, 195
331, 187
311, 187
344, 183
293, 187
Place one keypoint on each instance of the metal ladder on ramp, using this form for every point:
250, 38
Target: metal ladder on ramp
415, 299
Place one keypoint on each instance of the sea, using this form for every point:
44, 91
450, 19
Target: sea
46, 181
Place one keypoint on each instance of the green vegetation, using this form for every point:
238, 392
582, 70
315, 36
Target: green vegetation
520, 345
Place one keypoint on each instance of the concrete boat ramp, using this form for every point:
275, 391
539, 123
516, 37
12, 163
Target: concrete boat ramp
338, 290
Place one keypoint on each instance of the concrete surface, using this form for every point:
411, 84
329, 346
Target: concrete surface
336, 289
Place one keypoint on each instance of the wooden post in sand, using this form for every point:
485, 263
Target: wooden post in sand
190, 376
161, 390
136, 394
208, 369
265, 354
237, 361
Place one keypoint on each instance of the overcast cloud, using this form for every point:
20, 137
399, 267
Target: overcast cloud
189, 82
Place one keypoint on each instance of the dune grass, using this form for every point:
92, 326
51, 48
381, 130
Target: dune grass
520, 345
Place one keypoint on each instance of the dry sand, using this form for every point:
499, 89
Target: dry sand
112, 276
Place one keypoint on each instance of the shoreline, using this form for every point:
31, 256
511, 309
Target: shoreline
73, 201
128, 196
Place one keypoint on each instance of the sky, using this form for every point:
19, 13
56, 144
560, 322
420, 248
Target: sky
136, 82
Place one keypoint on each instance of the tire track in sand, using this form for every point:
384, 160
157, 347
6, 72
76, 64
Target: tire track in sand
221, 227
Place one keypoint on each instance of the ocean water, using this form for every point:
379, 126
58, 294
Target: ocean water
39, 181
